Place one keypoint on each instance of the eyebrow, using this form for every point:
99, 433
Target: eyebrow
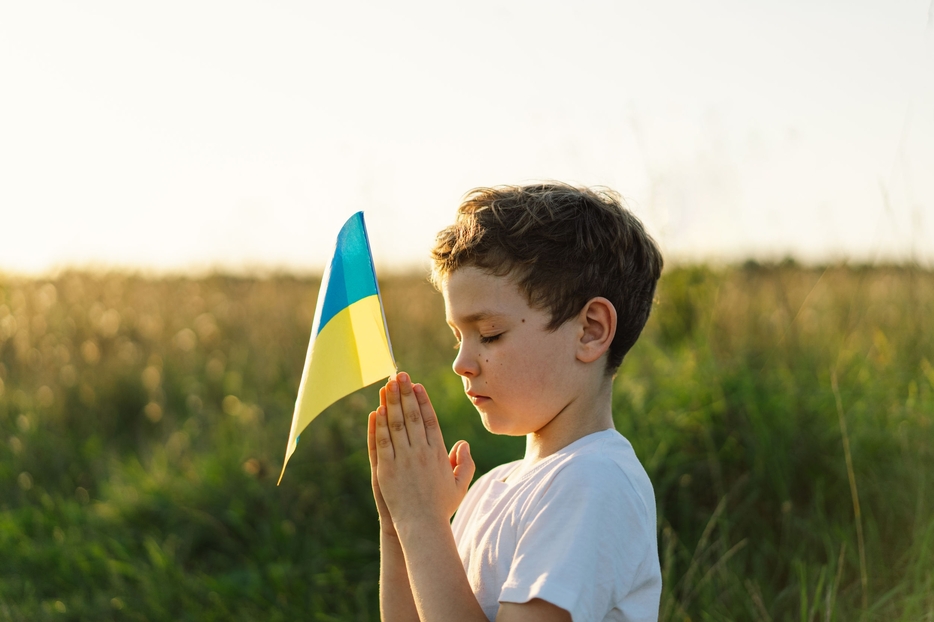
479, 316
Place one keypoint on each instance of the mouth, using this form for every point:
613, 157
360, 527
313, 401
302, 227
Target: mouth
477, 399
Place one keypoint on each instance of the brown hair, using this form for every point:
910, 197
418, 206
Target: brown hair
563, 246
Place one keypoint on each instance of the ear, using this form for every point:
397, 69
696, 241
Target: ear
597, 322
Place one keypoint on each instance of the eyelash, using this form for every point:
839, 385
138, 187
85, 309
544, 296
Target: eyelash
483, 340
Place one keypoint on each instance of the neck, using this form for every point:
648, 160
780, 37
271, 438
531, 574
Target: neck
589, 412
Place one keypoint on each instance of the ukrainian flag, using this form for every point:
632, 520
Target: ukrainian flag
349, 346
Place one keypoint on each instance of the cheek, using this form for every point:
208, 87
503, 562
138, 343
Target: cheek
533, 371
547, 363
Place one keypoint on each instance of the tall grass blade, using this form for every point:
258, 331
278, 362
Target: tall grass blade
863, 572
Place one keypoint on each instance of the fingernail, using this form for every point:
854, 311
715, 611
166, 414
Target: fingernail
381, 411
404, 377
393, 386
419, 389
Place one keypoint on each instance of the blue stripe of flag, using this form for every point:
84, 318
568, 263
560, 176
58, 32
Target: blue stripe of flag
351, 276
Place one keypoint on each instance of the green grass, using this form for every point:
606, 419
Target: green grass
143, 425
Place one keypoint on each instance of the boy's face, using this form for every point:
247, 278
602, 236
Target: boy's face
517, 373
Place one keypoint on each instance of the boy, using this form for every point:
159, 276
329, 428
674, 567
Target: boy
546, 287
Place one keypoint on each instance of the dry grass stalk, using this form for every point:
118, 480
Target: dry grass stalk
863, 573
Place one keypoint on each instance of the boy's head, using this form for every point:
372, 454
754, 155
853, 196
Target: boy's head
562, 246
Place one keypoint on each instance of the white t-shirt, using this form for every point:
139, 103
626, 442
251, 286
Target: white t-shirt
576, 529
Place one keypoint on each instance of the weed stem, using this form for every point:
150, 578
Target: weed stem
863, 574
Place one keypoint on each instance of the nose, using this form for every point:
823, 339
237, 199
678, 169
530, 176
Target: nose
465, 363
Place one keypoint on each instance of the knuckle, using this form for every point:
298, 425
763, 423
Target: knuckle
431, 422
397, 426
384, 442
413, 415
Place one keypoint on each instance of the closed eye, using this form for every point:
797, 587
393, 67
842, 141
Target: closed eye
490, 339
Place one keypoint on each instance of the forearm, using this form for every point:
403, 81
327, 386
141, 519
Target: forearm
422, 484
436, 575
395, 595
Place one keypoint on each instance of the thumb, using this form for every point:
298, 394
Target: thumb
464, 467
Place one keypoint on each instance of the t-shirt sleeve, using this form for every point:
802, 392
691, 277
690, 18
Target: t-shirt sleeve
581, 541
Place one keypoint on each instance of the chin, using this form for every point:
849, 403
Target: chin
497, 426
485, 420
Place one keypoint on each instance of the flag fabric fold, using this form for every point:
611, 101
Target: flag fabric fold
350, 345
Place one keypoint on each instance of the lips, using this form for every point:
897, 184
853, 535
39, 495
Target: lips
476, 398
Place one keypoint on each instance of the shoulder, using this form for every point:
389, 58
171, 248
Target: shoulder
586, 534
604, 470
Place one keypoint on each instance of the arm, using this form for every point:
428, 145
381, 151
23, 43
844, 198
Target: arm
422, 487
446, 595
532, 611
395, 595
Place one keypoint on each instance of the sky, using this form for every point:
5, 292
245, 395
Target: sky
183, 137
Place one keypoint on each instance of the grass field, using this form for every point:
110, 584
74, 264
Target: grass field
785, 416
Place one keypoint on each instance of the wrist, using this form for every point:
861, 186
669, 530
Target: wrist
387, 530
420, 527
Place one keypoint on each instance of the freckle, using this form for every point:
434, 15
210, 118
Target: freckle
523, 320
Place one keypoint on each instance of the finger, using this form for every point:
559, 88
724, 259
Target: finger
394, 417
371, 440
383, 437
382, 396
374, 463
429, 418
412, 411
465, 469
452, 456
